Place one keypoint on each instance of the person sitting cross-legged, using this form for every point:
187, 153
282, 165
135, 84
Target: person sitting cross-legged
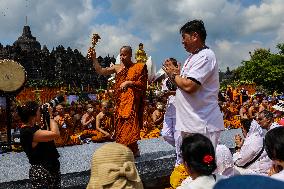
104, 124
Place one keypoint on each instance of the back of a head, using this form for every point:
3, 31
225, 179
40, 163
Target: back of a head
246, 123
27, 110
198, 153
113, 167
249, 182
274, 143
195, 26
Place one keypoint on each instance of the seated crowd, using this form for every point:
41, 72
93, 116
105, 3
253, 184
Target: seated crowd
259, 148
204, 165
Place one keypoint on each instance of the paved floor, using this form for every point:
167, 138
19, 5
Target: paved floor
15, 166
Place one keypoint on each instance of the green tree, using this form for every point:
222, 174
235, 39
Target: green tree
264, 68
280, 47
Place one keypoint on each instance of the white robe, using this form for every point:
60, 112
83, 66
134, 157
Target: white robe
201, 182
252, 146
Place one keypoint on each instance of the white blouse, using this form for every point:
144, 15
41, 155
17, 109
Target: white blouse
201, 182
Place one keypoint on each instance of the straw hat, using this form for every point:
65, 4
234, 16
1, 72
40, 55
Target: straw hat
113, 167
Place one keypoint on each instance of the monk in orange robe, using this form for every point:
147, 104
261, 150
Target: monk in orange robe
130, 90
104, 124
65, 124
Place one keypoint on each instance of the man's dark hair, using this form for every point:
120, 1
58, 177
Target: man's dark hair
267, 114
194, 150
128, 48
195, 26
274, 143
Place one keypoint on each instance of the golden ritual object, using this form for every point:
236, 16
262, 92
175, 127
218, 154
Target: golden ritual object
140, 55
95, 40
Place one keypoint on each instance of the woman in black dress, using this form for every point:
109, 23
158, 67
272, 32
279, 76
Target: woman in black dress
39, 147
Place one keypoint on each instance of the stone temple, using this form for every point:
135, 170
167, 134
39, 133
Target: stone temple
60, 66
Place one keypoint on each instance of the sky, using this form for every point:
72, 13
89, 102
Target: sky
234, 27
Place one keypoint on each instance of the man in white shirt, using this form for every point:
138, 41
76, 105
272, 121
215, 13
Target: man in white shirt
197, 109
251, 158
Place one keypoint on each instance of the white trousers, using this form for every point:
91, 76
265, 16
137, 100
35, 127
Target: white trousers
172, 136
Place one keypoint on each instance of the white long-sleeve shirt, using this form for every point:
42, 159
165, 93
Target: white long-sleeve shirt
201, 182
252, 146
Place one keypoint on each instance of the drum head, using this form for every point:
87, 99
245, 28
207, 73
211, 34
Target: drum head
12, 76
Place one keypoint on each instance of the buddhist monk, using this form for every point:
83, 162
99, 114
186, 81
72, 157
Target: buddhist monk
65, 124
104, 123
130, 89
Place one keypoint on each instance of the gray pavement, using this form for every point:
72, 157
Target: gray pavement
154, 152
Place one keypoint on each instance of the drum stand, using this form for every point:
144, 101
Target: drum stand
7, 146
12, 79
9, 121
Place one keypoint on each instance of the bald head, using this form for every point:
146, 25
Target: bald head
104, 103
125, 55
128, 48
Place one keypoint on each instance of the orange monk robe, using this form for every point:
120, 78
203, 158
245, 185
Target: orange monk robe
130, 105
65, 131
106, 124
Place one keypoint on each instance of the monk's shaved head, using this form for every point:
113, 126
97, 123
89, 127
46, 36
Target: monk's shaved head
128, 48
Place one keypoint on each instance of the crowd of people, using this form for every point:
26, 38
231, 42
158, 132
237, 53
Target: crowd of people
242, 105
188, 112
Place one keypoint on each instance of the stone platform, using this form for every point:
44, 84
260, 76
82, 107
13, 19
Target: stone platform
156, 161
154, 165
